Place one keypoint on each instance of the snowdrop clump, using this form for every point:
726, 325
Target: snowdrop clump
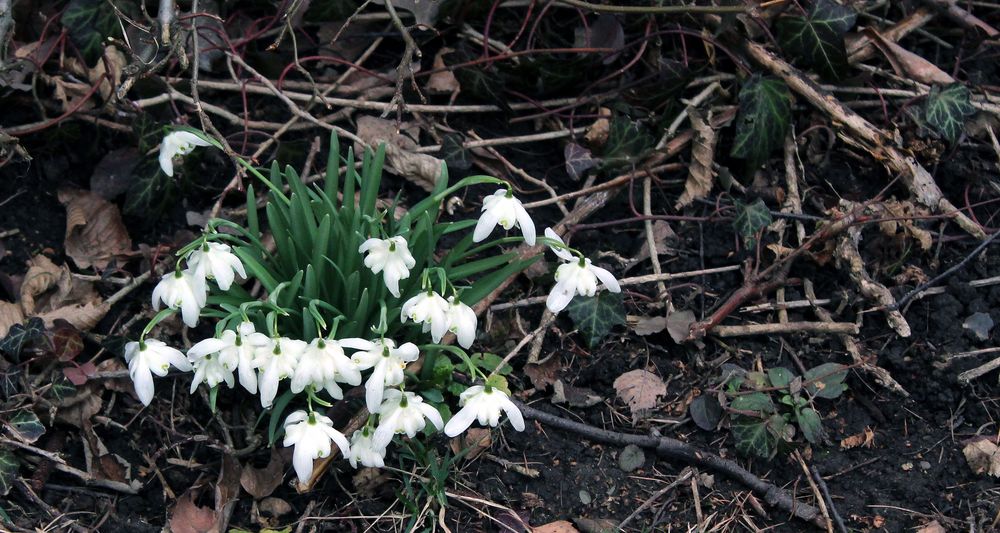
340, 272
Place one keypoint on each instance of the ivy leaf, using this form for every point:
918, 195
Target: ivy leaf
628, 141
10, 382
826, 380
596, 315
946, 108
21, 335
454, 153
706, 411
61, 387
751, 218
753, 437
818, 38
8, 470
578, 160
25, 426
89, 23
763, 119
755, 401
810, 424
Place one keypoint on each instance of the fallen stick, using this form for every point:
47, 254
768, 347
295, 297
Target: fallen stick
828, 328
962, 17
853, 129
669, 448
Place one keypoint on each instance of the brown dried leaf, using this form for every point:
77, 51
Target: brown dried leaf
559, 526
700, 173
111, 64
95, 233
41, 276
444, 81
543, 374
275, 507
10, 314
932, 527
640, 390
597, 133
261, 482
368, 480
422, 170
477, 440
679, 324
227, 490
649, 325
908, 64
983, 457
865, 439
574, 396
663, 235
188, 517
82, 316
78, 409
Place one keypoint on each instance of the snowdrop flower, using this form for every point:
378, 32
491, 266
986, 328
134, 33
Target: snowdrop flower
483, 404
236, 350
364, 451
182, 290
214, 260
276, 361
175, 144
502, 208
428, 308
403, 412
323, 364
576, 276
388, 363
149, 357
311, 434
391, 257
462, 322
211, 370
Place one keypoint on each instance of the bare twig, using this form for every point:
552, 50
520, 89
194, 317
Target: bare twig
819, 497
6, 25
827, 328
655, 10
962, 17
837, 520
405, 69
944, 275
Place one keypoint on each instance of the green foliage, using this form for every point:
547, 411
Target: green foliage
628, 142
21, 335
946, 108
9, 464
454, 153
750, 219
818, 38
10, 382
826, 380
151, 190
763, 118
596, 315
90, 23
25, 426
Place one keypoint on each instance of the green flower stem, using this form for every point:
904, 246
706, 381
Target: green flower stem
155, 320
562, 246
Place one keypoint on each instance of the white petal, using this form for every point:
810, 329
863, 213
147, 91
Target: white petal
526, 224
375, 389
142, 379
355, 343
558, 299
432, 414
607, 278
302, 460
167, 158
562, 253
460, 422
207, 346
485, 226
513, 413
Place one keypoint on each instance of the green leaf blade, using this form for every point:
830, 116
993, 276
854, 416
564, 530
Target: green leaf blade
596, 315
763, 119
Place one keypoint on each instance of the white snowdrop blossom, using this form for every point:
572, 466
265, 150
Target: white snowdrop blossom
462, 322
403, 412
364, 451
235, 349
502, 208
275, 362
175, 144
575, 276
430, 309
323, 364
215, 260
211, 370
483, 404
181, 290
149, 357
311, 434
387, 363
391, 257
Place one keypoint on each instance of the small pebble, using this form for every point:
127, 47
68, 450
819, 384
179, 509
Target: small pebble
924, 465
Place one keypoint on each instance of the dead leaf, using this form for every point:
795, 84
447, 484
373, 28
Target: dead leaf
700, 173
443, 81
597, 133
10, 314
865, 439
679, 324
543, 374
275, 507
261, 482
648, 325
595, 525
113, 176
663, 236
425, 12
95, 233
640, 390
559, 526
932, 527
41, 276
906, 63
110, 68
476, 440
227, 490
368, 480
983, 457
574, 396
188, 517
82, 316
422, 170
77, 410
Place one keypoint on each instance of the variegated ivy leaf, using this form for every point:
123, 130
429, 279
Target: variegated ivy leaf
946, 108
751, 218
596, 315
818, 38
763, 119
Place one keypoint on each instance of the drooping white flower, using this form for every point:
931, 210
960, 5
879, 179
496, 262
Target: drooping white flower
502, 208
430, 309
483, 404
215, 260
181, 290
462, 322
149, 357
575, 276
275, 362
211, 370
175, 144
364, 451
322, 365
403, 412
387, 363
236, 350
391, 257
311, 434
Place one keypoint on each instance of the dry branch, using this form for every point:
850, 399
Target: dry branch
829, 328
